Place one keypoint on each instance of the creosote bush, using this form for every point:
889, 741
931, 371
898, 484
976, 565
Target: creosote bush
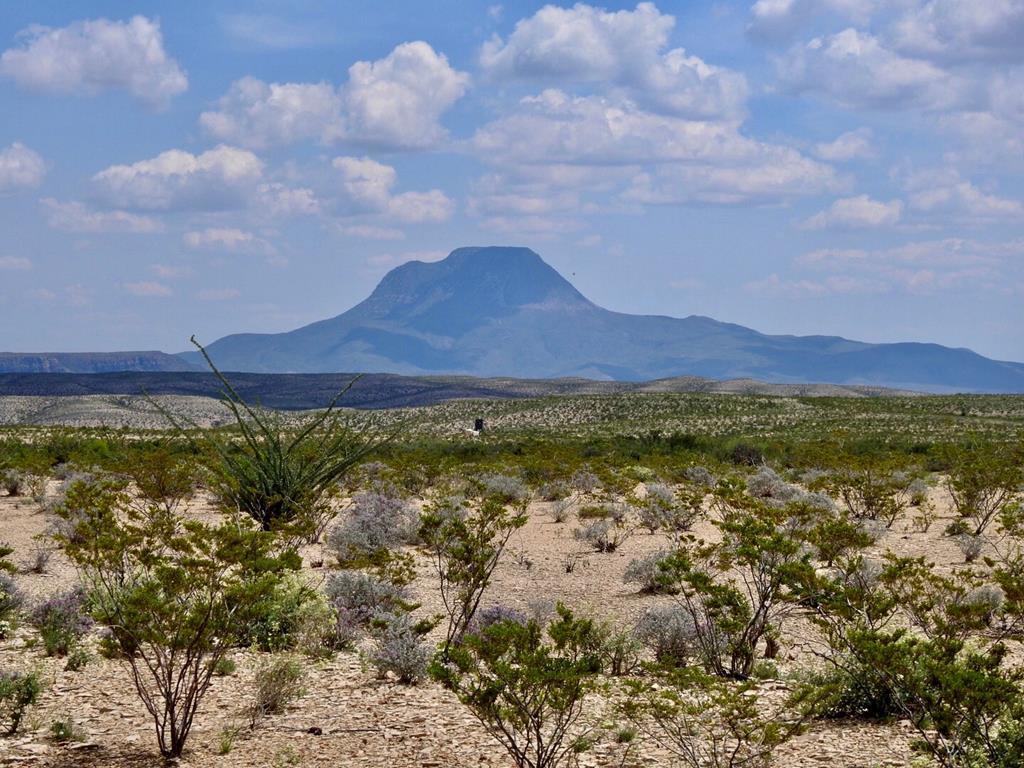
982, 482
177, 594
527, 687
705, 721
465, 542
734, 617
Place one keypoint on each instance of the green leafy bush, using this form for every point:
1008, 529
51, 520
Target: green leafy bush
465, 544
527, 690
177, 594
18, 691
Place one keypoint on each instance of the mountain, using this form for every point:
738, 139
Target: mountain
498, 311
90, 362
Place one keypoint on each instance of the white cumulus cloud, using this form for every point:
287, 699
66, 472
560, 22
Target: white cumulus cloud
669, 159
852, 145
366, 188
220, 178
394, 102
89, 56
860, 212
621, 48
20, 167
857, 70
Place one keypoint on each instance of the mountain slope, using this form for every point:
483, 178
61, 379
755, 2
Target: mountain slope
90, 362
504, 312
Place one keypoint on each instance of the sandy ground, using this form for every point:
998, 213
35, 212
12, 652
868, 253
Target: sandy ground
371, 722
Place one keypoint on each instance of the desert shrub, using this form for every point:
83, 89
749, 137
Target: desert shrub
644, 571
465, 544
594, 512
561, 510
11, 480
527, 690
669, 633
18, 692
6, 566
705, 721
970, 546
358, 596
621, 653
277, 618
766, 484
698, 475
731, 621
225, 667
851, 689
374, 526
989, 598
64, 730
507, 490
584, 481
62, 621
982, 481
277, 684
163, 478
280, 474
871, 490
602, 535
494, 614
906, 640
399, 648
656, 506
746, 455
39, 560
11, 602
835, 535
556, 490
177, 595
918, 490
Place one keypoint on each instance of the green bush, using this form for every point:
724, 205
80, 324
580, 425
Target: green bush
176, 593
527, 690
18, 691
465, 544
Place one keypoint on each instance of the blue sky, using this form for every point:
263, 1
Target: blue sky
846, 167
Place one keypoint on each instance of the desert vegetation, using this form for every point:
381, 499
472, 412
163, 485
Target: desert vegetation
689, 580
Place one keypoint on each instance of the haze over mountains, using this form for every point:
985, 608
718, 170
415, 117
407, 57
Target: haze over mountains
501, 311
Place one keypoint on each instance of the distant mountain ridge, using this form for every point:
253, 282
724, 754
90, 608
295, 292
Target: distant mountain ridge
503, 311
91, 362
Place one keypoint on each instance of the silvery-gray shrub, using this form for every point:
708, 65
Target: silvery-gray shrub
399, 648
668, 632
376, 521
